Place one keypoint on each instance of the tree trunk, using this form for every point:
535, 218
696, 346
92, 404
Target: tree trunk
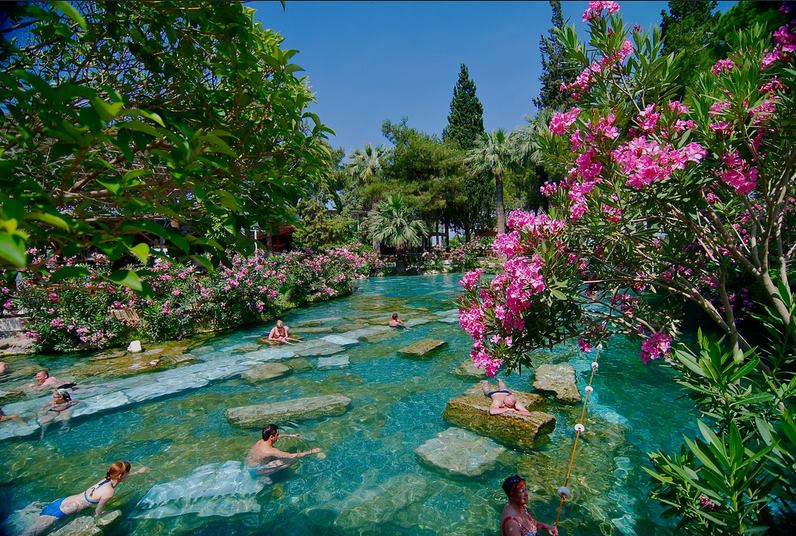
501, 212
466, 233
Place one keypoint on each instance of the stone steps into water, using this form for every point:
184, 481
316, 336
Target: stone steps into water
459, 452
297, 409
471, 412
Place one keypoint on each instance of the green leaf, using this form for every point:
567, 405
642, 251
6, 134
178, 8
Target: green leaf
107, 110
140, 126
53, 219
12, 250
69, 272
126, 278
69, 10
141, 251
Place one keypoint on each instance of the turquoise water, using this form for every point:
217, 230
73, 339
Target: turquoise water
370, 481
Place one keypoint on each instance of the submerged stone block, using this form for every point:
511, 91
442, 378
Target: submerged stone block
421, 348
374, 506
460, 452
217, 489
265, 372
339, 340
471, 412
321, 349
336, 361
288, 410
468, 370
558, 379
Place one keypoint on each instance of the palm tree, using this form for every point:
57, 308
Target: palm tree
526, 154
492, 154
395, 224
366, 164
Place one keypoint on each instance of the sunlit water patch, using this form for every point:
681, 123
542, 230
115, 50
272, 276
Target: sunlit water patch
370, 481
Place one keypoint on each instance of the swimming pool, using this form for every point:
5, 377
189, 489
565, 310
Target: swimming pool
371, 481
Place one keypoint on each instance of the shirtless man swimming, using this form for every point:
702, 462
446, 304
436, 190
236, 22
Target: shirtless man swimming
43, 380
264, 458
503, 401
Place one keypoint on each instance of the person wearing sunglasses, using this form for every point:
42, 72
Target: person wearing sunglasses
516, 520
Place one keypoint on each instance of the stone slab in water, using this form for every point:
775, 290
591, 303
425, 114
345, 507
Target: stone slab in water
335, 361
288, 410
266, 371
270, 353
323, 348
217, 489
11, 429
421, 348
449, 319
558, 379
246, 348
417, 321
468, 370
315, 329
460, 452
363, 333
299, 364
339, 340
370, 507
102, 402
471, 412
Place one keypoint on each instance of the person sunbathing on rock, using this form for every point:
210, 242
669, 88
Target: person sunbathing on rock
503, 400
58, 409
281, 334
264, 458
96, 496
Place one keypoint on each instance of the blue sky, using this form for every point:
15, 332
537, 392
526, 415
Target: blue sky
371, 61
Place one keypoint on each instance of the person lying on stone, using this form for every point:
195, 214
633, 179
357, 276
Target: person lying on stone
281, 333
43, 380
395, 323
503, 400
94, 497
516, 520
58, 409
15, 418
3, 367
264, 458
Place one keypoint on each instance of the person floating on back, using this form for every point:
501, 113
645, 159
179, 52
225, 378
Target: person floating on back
264, 458
503, 400
516, 520
96, 496
281, 334
395, 323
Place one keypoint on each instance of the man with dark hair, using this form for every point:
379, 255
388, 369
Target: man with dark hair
264, 458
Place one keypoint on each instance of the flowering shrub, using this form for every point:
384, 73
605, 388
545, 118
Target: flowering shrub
679, 199
180, 298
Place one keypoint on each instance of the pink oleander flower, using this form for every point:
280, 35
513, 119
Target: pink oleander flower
507, 244
770, 58
648, 118
706, 504
721, 127
471, 279
548, 188
723, 65
562, 121
785, 38
772, 86
585, 346
738, 173
655, 346
678, 107
596, 8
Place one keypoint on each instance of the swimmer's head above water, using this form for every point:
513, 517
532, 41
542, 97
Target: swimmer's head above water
269, 431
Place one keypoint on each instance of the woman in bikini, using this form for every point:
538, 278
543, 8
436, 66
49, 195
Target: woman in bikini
503, 400
94, 497
516, 520
281, 333
58, 409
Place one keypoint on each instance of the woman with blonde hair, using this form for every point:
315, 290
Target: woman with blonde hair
96, 496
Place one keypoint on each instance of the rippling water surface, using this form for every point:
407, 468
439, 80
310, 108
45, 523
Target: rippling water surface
371, 481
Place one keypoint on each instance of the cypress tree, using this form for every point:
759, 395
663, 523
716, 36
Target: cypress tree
466, 118
555, 68
465, 125
688, 29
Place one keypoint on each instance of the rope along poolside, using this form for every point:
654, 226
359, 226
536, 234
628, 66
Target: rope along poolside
564, 491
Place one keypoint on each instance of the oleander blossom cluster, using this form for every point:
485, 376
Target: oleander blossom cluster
493, 313
183, 299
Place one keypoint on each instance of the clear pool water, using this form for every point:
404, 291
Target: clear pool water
371, 481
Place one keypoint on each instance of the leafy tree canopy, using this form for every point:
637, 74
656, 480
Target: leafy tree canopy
125, 123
